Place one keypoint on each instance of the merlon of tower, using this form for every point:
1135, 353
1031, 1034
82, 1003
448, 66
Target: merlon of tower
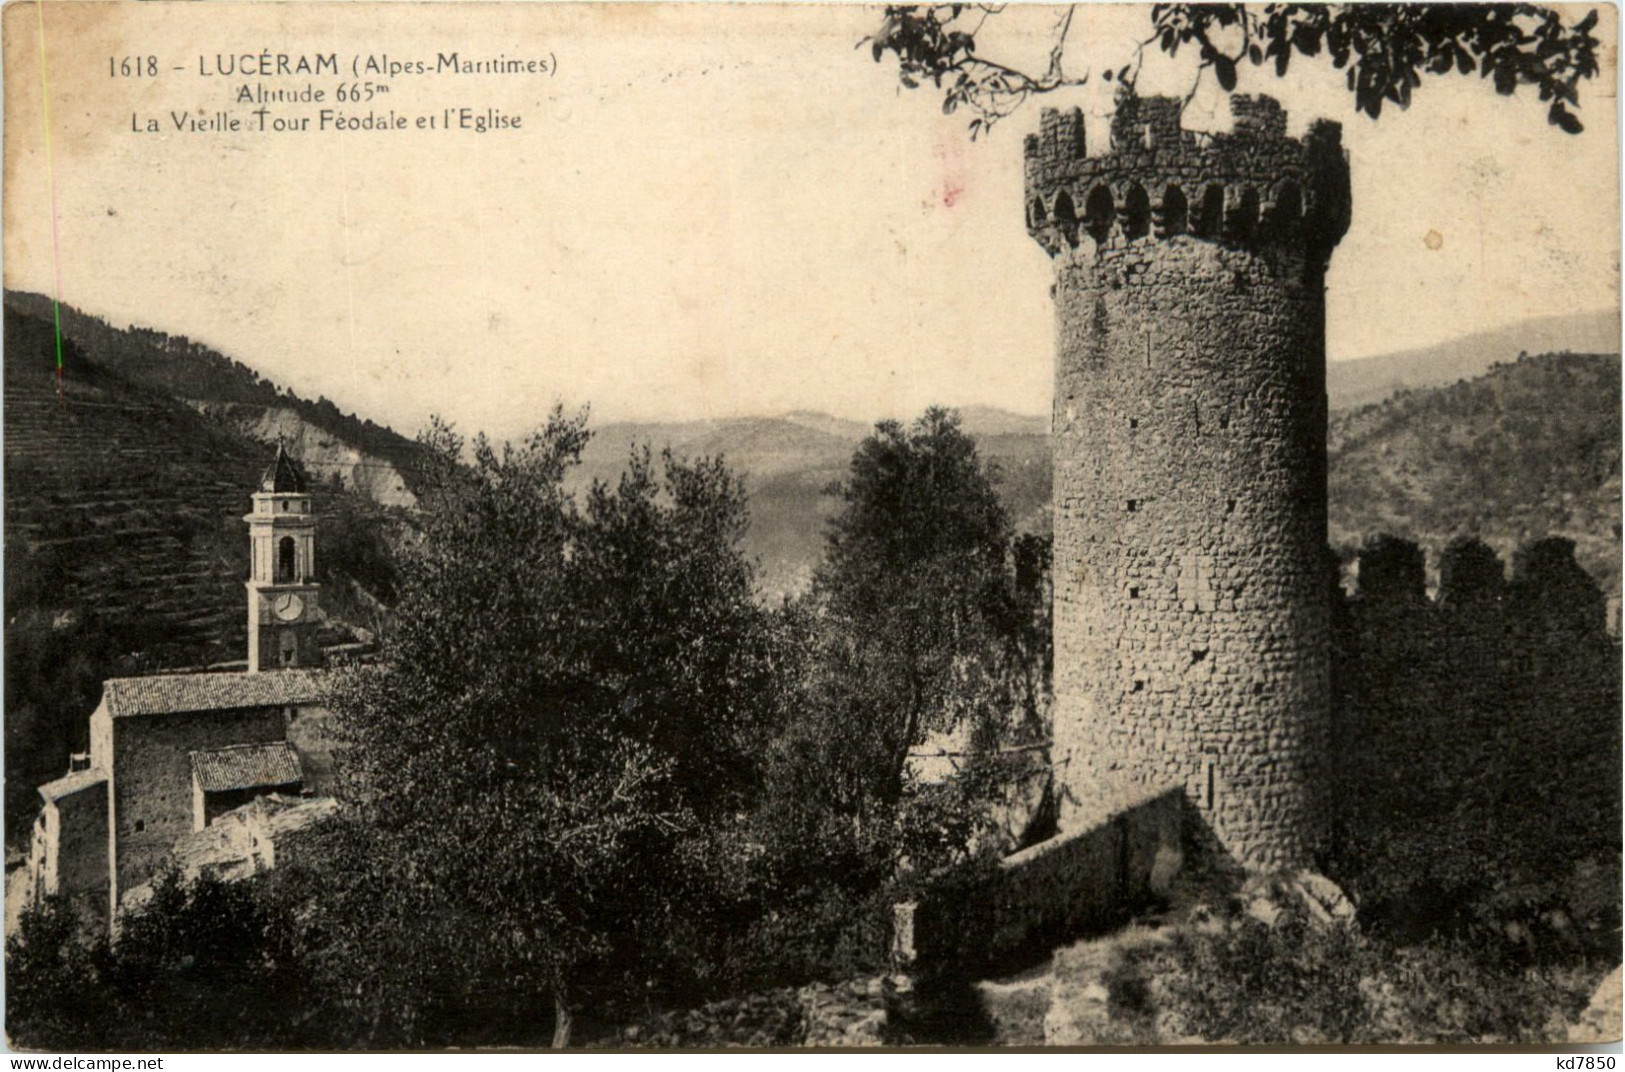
1253, 185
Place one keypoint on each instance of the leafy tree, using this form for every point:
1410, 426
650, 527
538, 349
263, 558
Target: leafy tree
205, 965
54, 996
918, 611
1386, 49
202, 965
569, 693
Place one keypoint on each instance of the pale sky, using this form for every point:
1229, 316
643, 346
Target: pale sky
708, 210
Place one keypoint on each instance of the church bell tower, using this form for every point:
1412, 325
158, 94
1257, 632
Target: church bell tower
282, 590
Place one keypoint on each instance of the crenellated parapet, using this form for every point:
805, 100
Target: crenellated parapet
1455, 713
1251, 187
1548, 590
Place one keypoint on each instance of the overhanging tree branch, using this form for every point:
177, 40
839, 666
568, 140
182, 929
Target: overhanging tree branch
1386, 49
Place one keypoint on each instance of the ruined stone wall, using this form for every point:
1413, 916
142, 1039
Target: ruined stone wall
1081, 882
1191, 620
1477, 731
152, 779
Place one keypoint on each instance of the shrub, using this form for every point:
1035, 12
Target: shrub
1299, 982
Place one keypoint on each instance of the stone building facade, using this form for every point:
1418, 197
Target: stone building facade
1190, 605
67, 854
171, 753
148, 735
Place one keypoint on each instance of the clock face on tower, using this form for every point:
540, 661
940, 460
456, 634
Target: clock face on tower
288, 606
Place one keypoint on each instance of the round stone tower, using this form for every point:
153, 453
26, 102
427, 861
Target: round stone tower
1191, 608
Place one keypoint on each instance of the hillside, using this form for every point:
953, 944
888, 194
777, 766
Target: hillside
1532, 448
361, 455
1372, 379
125, 549
1525, 450
789, 461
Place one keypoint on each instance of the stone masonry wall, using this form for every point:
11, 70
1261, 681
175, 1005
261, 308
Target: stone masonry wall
152, 779
82, 844
1476, 730
1082, 882
1191, 621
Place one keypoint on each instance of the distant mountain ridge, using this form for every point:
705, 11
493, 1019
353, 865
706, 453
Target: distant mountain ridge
1373, 379
789, 461
1520, 450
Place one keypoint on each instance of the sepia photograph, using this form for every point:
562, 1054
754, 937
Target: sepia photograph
658, 527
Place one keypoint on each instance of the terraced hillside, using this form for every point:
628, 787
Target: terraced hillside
125, 550
364, 456
129, 498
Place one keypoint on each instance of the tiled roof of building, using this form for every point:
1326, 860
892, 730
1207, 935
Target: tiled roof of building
246, 766
283, 475
163, 694
72, 783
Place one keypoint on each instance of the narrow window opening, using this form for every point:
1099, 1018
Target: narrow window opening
1134, 593
1064, 212
1210, 216
1230, 507
1210, 780
1242, 220
1287, 211
1258, 688
1133, 423
284, 506
1132, 505
140, 825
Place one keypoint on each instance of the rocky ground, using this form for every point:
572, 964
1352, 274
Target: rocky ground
1079, 995
845, 1015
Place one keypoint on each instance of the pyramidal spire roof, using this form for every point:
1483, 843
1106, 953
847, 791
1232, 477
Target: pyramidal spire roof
284, 474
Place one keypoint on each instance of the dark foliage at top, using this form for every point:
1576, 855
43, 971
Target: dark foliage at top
1386, 50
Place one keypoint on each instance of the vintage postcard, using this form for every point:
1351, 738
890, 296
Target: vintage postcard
686, 526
